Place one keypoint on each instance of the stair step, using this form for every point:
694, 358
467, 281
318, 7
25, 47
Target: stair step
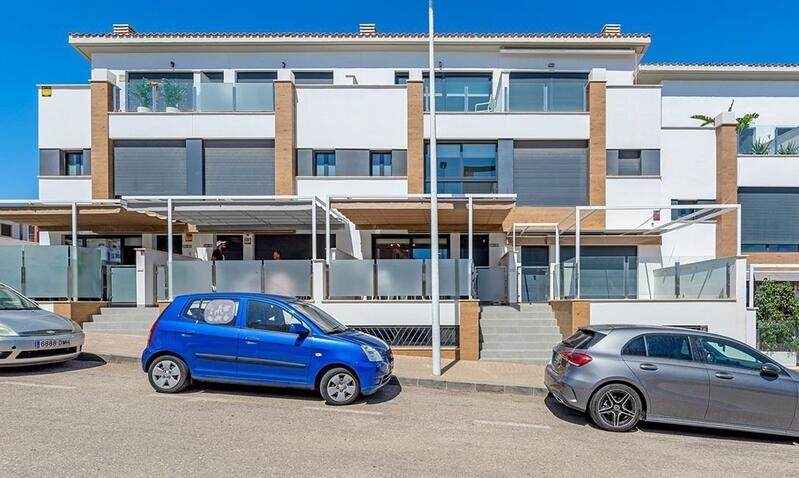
524, 343
516, 354
518, 315
517, 321
514, 329
130, 310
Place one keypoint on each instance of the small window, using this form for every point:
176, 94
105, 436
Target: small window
629, 162
212, 77
668, 346
266, 316
73, 163
381, 164
256, 77
728, 354
635, 347
313, 77
325, 163
5, 230
686, 211
213, 311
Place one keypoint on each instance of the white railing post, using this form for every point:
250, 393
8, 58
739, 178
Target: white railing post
471, 240
313, 228
74, 252
577, 252
169, 250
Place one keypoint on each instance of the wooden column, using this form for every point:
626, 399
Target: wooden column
102, 102
597, 150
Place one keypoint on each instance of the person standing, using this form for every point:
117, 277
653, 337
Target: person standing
219, 251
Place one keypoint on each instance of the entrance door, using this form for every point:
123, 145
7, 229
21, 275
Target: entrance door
492, 284
234, 247
534, 274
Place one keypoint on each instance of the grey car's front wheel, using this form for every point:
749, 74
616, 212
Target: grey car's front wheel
615, 407
339, 386
168, 374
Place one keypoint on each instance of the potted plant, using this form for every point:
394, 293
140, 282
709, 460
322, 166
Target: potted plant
143, 92
173, 94
761, 146
743, 122
791, 149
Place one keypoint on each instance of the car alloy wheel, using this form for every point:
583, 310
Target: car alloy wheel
341, 387
166, 374
617, 408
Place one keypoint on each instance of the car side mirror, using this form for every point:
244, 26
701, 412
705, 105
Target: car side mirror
770, 369
298, 329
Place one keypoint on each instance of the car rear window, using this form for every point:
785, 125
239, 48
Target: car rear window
212, 311
582, 340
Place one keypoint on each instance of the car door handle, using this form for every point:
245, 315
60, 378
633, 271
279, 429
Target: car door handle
724, 375
251, 340
648, 366
186, 334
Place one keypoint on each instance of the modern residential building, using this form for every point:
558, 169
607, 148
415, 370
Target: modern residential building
574, 183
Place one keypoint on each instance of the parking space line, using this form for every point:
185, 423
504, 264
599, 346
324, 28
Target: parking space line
512, 424
38, 385
344, 410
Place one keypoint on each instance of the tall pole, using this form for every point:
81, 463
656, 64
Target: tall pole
74, 252
436, 335
169, 250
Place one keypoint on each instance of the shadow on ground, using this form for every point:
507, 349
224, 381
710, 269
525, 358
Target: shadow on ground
49, 369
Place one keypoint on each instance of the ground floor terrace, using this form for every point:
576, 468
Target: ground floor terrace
368, 261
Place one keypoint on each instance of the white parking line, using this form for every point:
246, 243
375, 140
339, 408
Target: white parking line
344, 410
512, 424
38, 385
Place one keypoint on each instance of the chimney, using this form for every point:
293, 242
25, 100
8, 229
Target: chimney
611, 29
123, 29
367, 29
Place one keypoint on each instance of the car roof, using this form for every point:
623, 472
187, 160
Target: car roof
238, 295
607, 328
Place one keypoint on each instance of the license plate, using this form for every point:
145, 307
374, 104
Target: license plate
51, 343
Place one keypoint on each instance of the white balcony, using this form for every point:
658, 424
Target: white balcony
191, 125
768, 171
65, 188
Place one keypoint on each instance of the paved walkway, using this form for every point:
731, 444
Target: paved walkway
501, 377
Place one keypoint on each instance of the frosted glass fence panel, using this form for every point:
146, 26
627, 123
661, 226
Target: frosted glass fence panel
454, 277
255, 97
11, 266
290, 277
160, 283
46, 271
351, 278
122, 284
191, 277
399, 277
608, 277
709, 279
215, 97
534, 284
238, 276
492, 284
90, 274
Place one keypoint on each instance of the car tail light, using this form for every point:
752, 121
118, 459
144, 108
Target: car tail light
152, 329
576, 358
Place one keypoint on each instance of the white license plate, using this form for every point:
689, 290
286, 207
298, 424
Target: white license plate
51, 343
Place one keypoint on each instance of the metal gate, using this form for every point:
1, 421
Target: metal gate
492, 284
122, 285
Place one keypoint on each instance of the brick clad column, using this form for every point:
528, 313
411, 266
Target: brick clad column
102, 102
597, 147
285, 137
727, 183
415, 136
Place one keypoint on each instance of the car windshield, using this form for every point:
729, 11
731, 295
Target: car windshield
320, 318
11, 300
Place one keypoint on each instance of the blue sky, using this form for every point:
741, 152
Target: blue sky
34, 47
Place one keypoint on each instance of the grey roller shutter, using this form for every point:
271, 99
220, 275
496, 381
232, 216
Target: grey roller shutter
240, 167
149, 168
352, 162
769, 215
550, 173
399, 162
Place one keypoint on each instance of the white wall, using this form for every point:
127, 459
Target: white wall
322, 187
352, 117
390, 313
65, 118
491, 126
65, 188
768, 171
634, 192
633, 117
191, 125
688, 164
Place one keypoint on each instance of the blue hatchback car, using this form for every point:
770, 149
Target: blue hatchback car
263, 340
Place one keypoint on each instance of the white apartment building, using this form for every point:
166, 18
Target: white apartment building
571, 174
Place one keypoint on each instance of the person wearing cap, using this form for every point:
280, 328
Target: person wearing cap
219, 251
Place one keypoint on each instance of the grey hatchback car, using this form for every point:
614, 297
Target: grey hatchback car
621, 374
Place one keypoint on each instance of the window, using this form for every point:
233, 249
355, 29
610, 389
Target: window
547, 91
582, 339
73, 163
464, 168
5, 230
676, 347
325, 163
407, 247
266, 316
633, 162
630, 162
213, 311
381, 164
636, 347
682, 212
212, 77
313, 77
728, 354
786, 141
456, 91
480, 249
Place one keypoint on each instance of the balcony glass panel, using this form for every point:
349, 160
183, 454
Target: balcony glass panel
288, 277
215, 97
541, 92
464, 168
255, 97
459, 92
351, 278
399, 277
238, 276
160, 92
11, 266
46, 271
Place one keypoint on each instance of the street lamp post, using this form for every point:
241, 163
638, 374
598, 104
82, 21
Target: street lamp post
434, 289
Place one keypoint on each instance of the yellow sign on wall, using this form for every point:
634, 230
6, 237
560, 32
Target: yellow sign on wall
47, 91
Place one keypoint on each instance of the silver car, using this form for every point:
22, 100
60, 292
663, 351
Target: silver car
31, 335
621, 374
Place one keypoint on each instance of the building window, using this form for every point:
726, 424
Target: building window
547, 91
73, 163
408, 247
381, 163
5, 230
324, 163
456, 91
686, 211
464, 168
633, 162
770, 247
313, 77
629, 162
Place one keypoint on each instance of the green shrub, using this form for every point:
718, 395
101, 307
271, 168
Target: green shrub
777, 316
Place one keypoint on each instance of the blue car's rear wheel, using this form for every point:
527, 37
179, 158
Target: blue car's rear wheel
339, 386
168, 374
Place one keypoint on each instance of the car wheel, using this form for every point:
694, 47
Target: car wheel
168, 374
615, 408
339, 386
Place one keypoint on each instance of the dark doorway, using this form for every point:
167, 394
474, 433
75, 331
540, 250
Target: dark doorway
407, 246
234, 246
291, 246
535, 273
177, 244
479, 249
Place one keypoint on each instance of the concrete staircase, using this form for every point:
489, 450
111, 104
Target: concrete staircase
123, 320
523, 333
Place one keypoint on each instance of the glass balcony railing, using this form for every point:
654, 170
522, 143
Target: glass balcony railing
527, 93
769, 141
227, 97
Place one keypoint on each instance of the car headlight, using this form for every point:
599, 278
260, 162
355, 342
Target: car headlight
371, 354
6, 331
76, 326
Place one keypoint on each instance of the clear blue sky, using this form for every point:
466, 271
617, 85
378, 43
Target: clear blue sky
33, 38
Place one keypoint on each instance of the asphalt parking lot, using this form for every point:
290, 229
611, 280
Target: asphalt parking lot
93, 419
